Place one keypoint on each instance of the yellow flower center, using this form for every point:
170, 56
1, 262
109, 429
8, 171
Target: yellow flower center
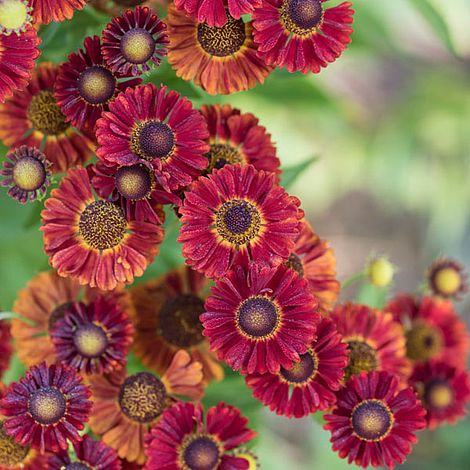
11, 453
15, 16
362, 357
439, 395
90, 340
447, 281
199, 452
45, 115
258, 317
29, 173
137, 46
47, 405
371, 420
423, 342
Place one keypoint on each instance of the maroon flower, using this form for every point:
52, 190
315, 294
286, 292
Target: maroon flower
85, 85
182, 438
46, 407
134, 39
237, 211
309, 385
259, 319
447, 279
152, 125
373, 423
301, 35
444, 391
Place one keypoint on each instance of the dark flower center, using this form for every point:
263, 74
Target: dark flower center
200, 453
90, 340
137, 46
301, 17
224, 41
47, 405
45, 115
29, 173
15, 15
102, 225
134, 182
142, 397
294, 262
238, 221
77, 466
423, 342
222, 154
258, 317
97, 85
371, 420
58, 313
11, 453
153, 139
301, 372
362, 357
179, 320
438, 394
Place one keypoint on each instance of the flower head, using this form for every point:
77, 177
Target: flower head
447, 279
15, 17
46, 11
380, 272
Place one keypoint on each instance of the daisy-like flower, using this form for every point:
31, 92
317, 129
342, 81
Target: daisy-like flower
447, 279
235, 211
5, 347
236, 137
433, 329
301, 35
33, 118
91, 240
219, 60
166, 318
314, 259
134, 39
26, 173
375, 341
373, 422
85, 85
259, 319
309, 385
160, 127
214, 12
444, 391
46, 11
89, 454
47, 407
93, 338
124, 407
184, 438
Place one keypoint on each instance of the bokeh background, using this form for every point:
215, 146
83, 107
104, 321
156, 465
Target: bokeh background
377, 147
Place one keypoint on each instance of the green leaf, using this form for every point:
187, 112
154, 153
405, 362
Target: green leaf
289, 175
373, 296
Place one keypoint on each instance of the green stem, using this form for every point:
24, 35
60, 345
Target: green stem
352, 279
17, 316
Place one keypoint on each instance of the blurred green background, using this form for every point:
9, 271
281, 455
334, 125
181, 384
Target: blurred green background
390, 123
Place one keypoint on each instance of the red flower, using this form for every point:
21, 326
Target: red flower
214, 12
85, 86
259, 319
5, 347
444, 391
46, 407
161, 128
373, 423
308, 385
238, 138
89, 239
182, 438
433, 329
301, 35
46, 11
237, 211
134, 39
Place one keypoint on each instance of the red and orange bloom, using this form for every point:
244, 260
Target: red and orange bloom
134, 39
166, 319
373, 422
91, 240
259, 319
309, 385
46, 11
160, 127
444, 391
314, 259
125, 406
47, 407
375, 341
85, 85
88, 454
447, 279
26, 173
93, 338
5, 347
236, 137
220, 60
184, 438
236, 212
33, 118
301, 35
214, 12
433, 329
